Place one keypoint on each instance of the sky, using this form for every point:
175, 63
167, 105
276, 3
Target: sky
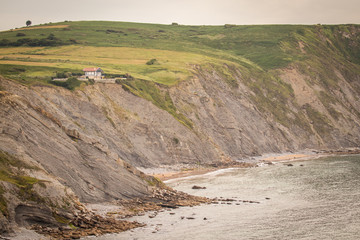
15, 13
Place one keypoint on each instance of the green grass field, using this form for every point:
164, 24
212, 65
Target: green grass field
173, 66
121, 47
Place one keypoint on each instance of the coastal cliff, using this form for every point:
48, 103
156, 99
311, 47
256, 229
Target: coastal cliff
86, 145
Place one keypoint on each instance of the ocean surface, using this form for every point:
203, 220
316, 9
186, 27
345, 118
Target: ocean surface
313, 199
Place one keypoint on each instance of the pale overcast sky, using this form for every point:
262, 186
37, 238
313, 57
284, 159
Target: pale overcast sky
14, 13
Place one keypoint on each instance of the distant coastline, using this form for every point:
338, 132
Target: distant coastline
268, 159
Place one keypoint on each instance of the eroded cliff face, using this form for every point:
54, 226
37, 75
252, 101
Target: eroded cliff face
238, 123
87, 137
88, 140
44, 125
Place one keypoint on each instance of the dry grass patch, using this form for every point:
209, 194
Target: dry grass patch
24, 63
18, 50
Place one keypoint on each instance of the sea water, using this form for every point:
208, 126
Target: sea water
313, 199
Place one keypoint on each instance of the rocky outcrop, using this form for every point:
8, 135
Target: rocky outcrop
28, 215
244, 120
53, 140
83, 134
48, 164
86, 225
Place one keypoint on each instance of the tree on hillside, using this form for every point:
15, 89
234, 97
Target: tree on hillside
28, 23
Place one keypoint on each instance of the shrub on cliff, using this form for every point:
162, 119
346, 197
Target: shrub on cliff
70, 84
63, 74
20, 34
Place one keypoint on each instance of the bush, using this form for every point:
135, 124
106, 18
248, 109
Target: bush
51, 40
91, 81
5, 42
73, 41
20, 34
301, 32
111, 75
51, 37
229, 25
70, 84
126, 88
63, 74
108, 31
16, 70
176, 140
152, 62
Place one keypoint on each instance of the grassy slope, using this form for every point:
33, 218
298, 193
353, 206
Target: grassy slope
11, 171
175, 47
257, 51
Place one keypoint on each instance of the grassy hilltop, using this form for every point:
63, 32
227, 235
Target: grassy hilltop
33, 55
36, 53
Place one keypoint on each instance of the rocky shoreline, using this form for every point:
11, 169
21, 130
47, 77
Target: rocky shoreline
347, 151
91, 224
87, 225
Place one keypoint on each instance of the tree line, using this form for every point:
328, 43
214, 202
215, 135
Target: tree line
51, 40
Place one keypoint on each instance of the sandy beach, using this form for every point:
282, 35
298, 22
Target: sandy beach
185, 173
273, 158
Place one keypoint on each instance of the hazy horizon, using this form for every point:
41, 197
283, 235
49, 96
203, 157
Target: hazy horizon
15, 13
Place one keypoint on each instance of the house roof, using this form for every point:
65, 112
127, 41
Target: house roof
93, 69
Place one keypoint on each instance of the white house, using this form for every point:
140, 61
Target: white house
93, 73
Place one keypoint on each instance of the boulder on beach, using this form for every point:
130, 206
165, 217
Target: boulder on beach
198, 187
